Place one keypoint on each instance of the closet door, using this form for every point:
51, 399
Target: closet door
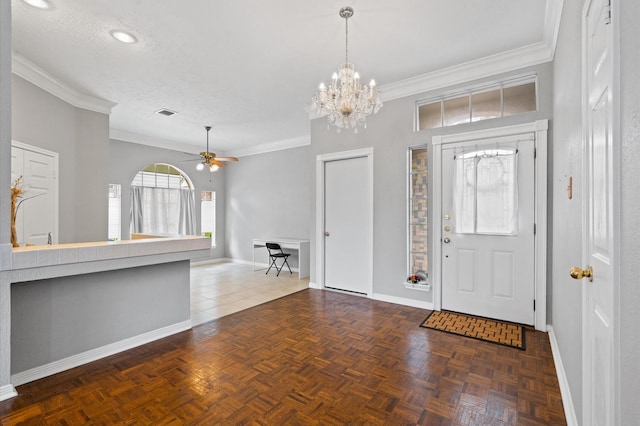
37, 214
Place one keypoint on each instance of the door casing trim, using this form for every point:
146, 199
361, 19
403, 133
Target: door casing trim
320, 206
539, 128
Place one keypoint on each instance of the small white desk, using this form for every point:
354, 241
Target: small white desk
302, 246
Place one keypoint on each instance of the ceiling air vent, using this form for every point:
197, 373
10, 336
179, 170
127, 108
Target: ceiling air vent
166, 112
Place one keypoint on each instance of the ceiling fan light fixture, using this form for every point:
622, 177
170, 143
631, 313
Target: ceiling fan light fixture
210, 159
345, 101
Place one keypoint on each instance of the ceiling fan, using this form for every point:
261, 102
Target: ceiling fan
210, 160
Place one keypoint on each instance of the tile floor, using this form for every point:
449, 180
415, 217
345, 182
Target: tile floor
219, 289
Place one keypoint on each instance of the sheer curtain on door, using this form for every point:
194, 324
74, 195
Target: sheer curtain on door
486, 192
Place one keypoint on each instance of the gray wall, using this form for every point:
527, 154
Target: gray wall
629, 292
57, 318
390, 133
268, 195
566, 233
81, 138
127, 159
567, 214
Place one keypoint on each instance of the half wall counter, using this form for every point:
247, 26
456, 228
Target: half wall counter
75, 303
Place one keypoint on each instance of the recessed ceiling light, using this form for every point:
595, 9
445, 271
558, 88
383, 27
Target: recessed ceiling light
124, 36
40, 4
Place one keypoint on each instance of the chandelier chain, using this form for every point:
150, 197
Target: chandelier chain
346, 40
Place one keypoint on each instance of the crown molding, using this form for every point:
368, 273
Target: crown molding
272, 146
140, 139
552, 19
474, 70
29, 71
488, 66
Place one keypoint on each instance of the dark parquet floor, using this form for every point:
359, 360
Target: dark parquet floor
311, 358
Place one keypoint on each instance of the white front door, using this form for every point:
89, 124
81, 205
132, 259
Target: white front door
487, 235
598, 314
38, 213
347, 225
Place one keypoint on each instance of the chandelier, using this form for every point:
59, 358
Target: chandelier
346, 102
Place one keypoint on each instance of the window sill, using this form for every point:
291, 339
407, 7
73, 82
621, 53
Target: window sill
420, 286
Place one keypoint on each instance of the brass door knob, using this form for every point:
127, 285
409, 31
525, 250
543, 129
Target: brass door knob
579, 273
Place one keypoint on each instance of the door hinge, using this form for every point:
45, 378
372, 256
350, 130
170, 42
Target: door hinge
534, 229
535, 153
607, 13
534, 304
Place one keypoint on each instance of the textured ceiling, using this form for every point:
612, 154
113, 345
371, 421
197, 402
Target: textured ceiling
250, 67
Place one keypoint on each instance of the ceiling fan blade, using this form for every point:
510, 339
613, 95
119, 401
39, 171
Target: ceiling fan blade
226, 159
217, 163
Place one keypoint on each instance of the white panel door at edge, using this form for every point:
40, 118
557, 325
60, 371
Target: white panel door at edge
346, 225
598, 349
490, 275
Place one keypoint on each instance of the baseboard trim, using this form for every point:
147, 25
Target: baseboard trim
97, 353
210, 261
403, 301
7, 391
386, 298
258, 266
565, 391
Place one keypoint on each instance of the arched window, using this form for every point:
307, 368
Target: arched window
162, 201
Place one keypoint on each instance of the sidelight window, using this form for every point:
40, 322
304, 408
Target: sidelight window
114, 216
208, 215
418, 211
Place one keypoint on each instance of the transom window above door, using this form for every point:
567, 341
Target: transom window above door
497, 100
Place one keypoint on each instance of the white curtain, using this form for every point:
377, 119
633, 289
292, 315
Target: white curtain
187, 213
136, 212
486, 192
162, 210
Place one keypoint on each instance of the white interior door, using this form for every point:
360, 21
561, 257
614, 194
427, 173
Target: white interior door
347, 225
38, 212
598, 315
487, 235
